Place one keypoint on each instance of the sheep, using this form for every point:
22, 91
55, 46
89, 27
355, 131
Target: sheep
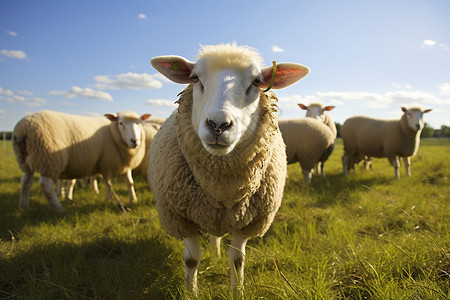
369, 137
319, 111
65, 146
150, 127
308, 141
218, 163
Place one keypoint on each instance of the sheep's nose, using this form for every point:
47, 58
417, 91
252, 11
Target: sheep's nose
133, 143
218, 129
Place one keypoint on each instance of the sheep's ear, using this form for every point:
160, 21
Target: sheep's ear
111, 117
145, 117
404, 109
176, 68
427, 110
330, 107
303, 106
287, 74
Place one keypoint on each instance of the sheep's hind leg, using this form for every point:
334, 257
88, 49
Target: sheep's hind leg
48, 187
70, 186
307, 174
236, 257
395, 163
215, 243
192, 255
26, 182
345, 160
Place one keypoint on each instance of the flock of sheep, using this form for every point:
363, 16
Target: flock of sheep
218, 164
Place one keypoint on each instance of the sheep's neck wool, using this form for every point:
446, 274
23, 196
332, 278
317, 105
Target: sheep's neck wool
228, 179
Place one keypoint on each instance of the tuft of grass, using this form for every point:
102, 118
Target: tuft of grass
365, 235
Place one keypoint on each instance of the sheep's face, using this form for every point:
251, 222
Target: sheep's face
227, 80
225, 105
414, 118
130, 127
316, 110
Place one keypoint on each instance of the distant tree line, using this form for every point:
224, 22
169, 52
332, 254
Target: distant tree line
427, 131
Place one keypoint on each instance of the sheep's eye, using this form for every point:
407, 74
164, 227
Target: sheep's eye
195, 78
256, 82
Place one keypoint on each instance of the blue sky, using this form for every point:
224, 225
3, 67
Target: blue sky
92, 57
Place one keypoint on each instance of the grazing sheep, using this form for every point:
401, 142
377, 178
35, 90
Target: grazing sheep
64, 146
320, 111
370, 137
308, 141
218, 164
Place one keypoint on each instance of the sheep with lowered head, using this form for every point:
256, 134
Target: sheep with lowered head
308, 141
65, 146
364, 136
218, 164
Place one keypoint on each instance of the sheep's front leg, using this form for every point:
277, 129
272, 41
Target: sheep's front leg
236, 257
130, 185
48, 187
407, 162
192, 255
25, 187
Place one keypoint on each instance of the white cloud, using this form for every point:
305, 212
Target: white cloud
444, 46
142, 16
6, 92
11, 33
128, 81
276, 49
25, 92
428, 43
161, 102
8, 96
374, 100
76, 91
445, 89
36, 101
13, 54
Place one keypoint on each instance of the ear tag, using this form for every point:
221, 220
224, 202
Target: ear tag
274, 74
176, 66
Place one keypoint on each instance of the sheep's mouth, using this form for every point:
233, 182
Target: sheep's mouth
217, 149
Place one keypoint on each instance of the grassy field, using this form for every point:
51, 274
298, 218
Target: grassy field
364, 236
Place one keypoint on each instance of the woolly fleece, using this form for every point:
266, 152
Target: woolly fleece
65, 146
308, 141
198, 192
379, 138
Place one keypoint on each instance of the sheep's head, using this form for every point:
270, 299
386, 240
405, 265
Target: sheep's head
129, 126
414, 117
227, 81
316, 110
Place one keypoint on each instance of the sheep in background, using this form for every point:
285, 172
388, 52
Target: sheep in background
150, 127
218, 164
65, 146
320, 112
308, 141
364, 136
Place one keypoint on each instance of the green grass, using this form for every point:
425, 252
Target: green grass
364, 236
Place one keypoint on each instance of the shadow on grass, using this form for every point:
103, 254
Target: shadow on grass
106, 269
